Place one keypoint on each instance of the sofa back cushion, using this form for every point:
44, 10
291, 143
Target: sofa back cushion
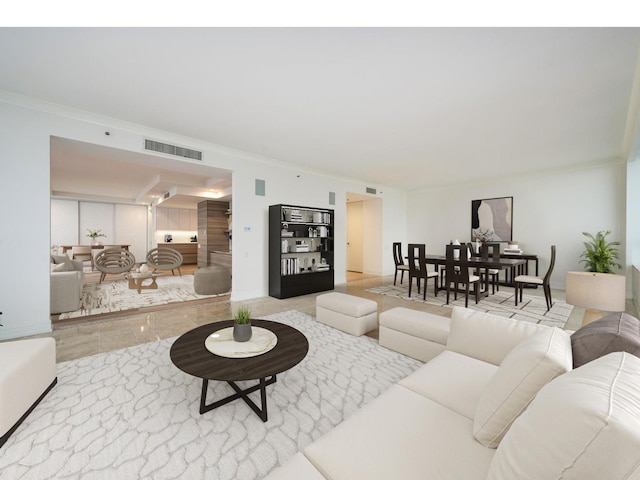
487, 337
583, 424
524, 371
62, 260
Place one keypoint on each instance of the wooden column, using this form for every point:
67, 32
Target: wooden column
212, 229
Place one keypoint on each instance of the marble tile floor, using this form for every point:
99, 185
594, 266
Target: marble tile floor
95, 336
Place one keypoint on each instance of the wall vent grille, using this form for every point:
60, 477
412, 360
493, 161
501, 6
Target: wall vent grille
166, 195
172, 150
371, 190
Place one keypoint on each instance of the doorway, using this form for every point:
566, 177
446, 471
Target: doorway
364, 234
354, 237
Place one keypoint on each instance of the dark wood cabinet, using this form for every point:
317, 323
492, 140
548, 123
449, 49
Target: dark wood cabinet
301, 250
189, 251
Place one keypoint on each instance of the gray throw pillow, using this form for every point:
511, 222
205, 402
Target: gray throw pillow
618, 332
65, 260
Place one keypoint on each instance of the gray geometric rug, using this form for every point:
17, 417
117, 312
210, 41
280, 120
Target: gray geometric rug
531, 309
115, 295
131, 414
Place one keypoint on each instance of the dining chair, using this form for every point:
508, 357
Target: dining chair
494, 273
114, 261
457, 272
399, 261
521, 280
418, 269
82, 252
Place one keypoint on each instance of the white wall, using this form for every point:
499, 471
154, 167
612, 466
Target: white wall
64, 222
551, 208
25, 129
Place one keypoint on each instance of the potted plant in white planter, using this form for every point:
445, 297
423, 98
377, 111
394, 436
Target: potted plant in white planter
242, 324
597, 289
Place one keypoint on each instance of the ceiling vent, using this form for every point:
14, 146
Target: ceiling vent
172, 150
166, 195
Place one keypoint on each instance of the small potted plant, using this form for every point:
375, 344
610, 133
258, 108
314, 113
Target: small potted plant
94, 234
242, 324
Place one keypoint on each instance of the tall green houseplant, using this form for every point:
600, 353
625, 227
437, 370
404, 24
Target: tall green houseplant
600, 255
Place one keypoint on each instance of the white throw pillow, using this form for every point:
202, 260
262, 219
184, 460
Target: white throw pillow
585, 424
524, 371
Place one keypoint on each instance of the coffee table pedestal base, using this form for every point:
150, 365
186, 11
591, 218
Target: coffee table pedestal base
240, 393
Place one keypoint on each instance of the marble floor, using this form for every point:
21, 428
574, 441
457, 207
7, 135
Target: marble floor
85, 338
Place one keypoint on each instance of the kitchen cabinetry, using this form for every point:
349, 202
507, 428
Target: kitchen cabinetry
301, 250
189, 251
176, 219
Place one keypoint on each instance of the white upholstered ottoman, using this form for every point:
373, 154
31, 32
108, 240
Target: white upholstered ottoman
27, 373
354, 315
420, 335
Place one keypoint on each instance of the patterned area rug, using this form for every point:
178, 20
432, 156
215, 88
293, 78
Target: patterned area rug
532, 309
132, 414
115, 296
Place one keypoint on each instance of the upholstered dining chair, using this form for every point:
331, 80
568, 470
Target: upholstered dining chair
457, 273
82, 252
418, 269
114, 261
399, 261
165, 258
521, 280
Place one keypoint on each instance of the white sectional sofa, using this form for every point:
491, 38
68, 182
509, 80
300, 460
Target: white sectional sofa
501, 402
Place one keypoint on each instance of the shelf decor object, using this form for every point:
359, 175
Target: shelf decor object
301, 250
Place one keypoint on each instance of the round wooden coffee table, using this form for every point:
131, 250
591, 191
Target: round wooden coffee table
190, 355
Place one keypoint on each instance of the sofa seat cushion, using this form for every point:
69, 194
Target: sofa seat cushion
401, 434
524, 371
452, 380
583, 424
618, 332
296, 468
499, 334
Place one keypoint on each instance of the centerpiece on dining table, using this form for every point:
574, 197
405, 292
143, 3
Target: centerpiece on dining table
94, 235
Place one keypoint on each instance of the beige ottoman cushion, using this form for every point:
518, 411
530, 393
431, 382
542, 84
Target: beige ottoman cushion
354, 315
28, 369
212, 280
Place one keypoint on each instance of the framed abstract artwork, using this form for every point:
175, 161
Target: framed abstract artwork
492, 219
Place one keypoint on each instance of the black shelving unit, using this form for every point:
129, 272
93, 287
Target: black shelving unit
301, 250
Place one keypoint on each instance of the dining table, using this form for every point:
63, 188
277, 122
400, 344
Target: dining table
66, 248
515, 265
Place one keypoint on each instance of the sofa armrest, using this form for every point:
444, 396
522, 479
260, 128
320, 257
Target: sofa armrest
66, 288
487, 337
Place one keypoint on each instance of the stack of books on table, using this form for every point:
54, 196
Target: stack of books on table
512, 249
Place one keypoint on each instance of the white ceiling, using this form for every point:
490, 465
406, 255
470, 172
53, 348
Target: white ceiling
402, 107
93, 172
